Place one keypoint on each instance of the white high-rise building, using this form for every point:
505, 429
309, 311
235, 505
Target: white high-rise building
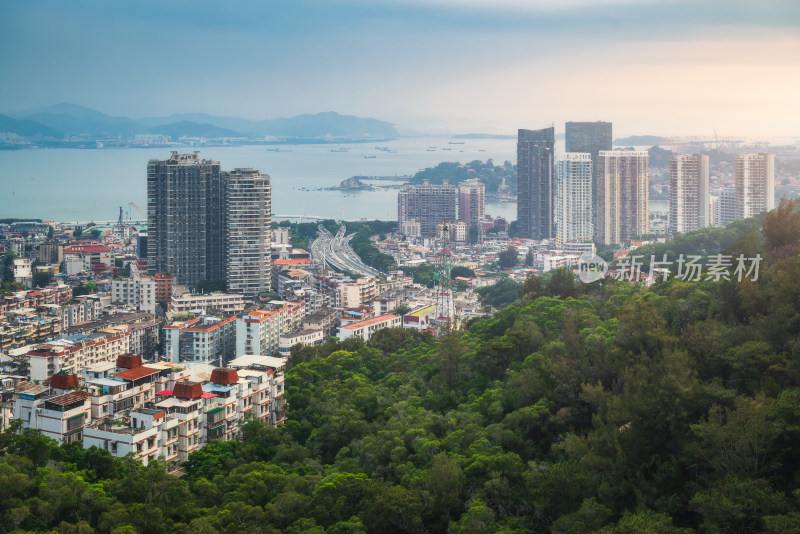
755, 184
249, 252
572, 202
725, 211
622, 195
689, 201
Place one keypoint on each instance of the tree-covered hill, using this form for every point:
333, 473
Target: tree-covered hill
611, 408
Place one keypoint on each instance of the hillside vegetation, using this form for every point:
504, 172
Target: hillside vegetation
616, 408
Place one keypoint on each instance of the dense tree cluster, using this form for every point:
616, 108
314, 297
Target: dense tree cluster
487, 172
614, 408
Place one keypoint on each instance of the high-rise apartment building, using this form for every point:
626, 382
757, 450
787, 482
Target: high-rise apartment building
249, 214
689, 200
186, 218
591, 137
426, 204
622, 195
535, 150
755, 184
471, 202
725, 212
572, 198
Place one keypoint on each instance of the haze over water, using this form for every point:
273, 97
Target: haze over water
91, 184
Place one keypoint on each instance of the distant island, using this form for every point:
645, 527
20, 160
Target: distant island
72, 125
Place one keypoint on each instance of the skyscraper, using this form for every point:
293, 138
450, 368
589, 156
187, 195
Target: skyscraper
689, 201
755, 184
249, 208
186, 218
427, 205
471, 201
572, 198
622, 195
591, 137
726, 206
535, 150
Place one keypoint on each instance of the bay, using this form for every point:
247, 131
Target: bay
81, 185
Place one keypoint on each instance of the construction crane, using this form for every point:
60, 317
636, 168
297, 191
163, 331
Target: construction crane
138, 209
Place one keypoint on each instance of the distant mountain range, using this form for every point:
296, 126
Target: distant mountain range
56, 121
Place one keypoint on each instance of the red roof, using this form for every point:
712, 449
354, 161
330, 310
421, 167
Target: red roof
137, 372
63, 381
69, 398
224, 376
129, 361
188, 390
295, 261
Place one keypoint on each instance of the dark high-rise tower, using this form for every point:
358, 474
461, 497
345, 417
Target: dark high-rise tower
591, 137
535, 183
186, 218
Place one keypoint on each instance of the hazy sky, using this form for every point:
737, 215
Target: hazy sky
650, 66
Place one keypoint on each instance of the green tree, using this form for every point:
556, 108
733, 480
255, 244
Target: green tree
508, 258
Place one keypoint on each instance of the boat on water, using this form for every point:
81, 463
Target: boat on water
456, 143
340, 149
370, 157
431, 150
279, 150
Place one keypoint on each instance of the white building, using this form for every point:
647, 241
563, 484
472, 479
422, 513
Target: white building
74, 353
365, 329
137, 291
201, 340
249, 201
61, 416
307, 336
259, 331
572, 203
755, 184
220, 302
689, 197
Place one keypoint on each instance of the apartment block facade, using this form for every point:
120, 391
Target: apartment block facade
755, 184
426, 204
572, 197
535, 159
622, 199
689, 196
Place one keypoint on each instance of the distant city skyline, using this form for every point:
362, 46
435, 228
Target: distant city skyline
666, 68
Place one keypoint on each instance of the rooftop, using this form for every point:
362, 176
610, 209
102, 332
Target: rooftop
69, 398
258, 361
371, 321
137, 372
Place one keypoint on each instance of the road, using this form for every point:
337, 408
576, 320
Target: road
336, 252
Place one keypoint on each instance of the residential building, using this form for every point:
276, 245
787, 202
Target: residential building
572, 198
689, 196
249, 214
365, 329
184, 302
258, 332
429, 204
622, 199
535, 150
71, 354
725, 212
137, 291
204, 339
591, 137
471, 202
186, 218
755, 184
61, 416
164, 283
306, 336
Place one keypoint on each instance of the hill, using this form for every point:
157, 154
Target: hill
77, 119
192, 129
27, 128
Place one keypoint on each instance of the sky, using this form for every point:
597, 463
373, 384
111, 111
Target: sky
664, 67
